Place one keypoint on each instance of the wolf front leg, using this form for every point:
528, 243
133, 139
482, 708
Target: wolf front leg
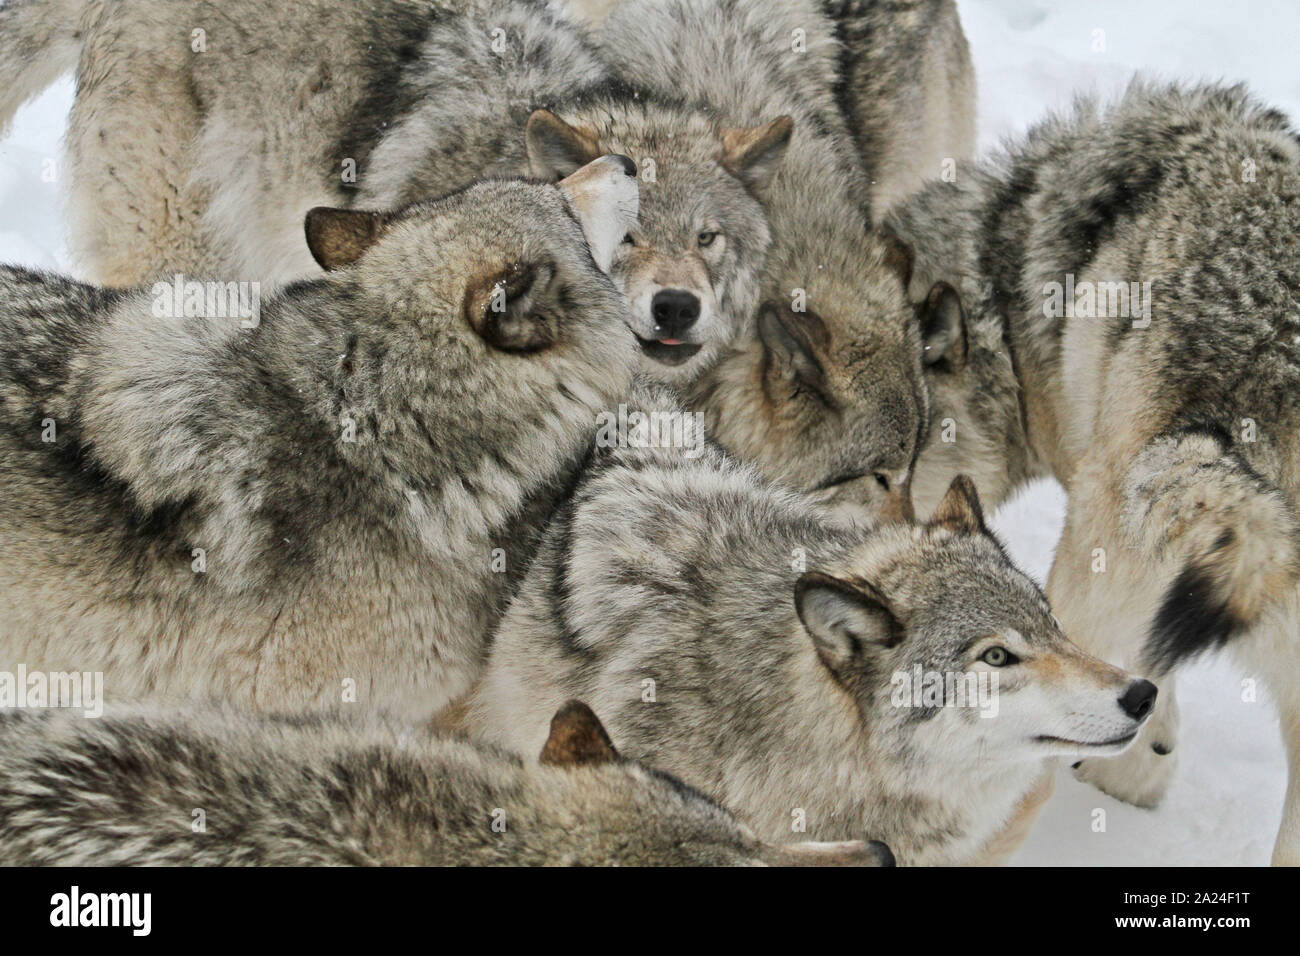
1286, 851
1106, 596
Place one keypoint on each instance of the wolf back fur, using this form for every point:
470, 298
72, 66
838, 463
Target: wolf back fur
216, 787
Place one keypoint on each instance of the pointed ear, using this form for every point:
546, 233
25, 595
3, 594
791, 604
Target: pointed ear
899, 257
943, 326
501, 307
605, 196
339, 237
752, 153
845, 619
960, 508
577, 738
787, 341
557, 148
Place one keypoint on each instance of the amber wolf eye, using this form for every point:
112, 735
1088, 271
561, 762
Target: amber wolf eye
998, 657
706, 238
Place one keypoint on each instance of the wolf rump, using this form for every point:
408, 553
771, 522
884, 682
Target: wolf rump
305, 512
671, 593
329, 791
375, 106
1175, 432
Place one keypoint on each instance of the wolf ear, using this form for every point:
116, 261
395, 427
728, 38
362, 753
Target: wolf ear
960, 508
556, 148
752, 153
899, 257
339, 237
786, 340
501, 308
577, 738
845, 620
605, 196
943, 326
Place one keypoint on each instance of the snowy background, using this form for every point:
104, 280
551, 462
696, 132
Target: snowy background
1030, 56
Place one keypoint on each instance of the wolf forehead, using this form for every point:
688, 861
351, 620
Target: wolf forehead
963, 585
503, 212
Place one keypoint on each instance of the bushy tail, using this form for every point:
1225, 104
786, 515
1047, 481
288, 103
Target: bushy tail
1192, 501
39, 42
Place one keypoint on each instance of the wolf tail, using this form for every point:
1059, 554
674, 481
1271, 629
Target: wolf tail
1192, 499
40, 40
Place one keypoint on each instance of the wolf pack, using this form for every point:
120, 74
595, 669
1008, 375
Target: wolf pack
369, 583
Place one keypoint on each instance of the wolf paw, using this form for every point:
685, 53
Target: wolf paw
1140, 775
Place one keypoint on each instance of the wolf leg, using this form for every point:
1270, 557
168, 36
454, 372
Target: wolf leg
1106, 595
1286, 851
133, 215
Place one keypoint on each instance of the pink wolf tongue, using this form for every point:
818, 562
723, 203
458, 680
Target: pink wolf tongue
669, 341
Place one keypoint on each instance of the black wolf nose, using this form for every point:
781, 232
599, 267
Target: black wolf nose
1138, 699
674, 311
629, 167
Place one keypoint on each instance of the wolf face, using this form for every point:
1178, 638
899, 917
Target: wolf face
837, 409
530, 287
948, 650
690, 267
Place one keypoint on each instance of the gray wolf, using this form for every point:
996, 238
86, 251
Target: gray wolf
813, 677
213, 787
202, 133
333, 504
828, 396
1131, 294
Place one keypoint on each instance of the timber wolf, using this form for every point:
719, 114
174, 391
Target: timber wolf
328, 504
212, 787
1131, 291
778, 661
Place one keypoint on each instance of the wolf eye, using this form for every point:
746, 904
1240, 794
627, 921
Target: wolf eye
706, 239
998, 657
882, 480
628, 241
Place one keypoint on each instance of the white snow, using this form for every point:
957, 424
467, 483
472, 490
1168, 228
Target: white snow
1030, 56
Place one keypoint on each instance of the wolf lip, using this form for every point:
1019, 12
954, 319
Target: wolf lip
1047, 739
668, 351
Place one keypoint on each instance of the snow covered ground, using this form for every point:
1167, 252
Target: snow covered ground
1030, 56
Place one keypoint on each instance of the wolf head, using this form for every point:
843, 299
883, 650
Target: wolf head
953, 656
647, 818
500, 272
829, 398
690, 267
977, 426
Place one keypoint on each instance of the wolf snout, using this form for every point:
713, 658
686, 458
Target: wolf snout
674, 311
629, 167
1138, 699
